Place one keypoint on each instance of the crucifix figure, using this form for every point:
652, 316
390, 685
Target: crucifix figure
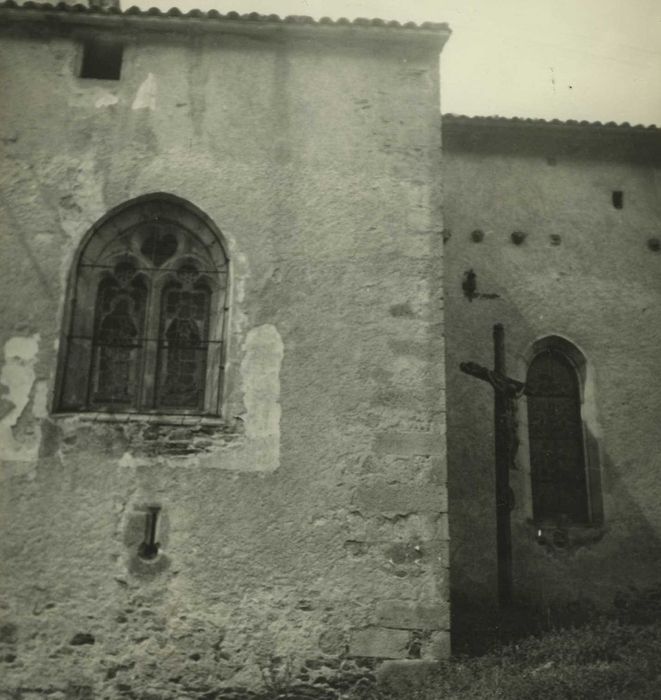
506, 391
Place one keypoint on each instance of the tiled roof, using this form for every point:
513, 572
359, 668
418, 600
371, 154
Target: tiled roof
595, 141
496, 121
214, 15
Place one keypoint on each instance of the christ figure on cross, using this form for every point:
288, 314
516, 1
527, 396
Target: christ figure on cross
506, 391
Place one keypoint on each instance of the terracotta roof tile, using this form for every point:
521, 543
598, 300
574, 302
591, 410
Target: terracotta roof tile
496, 121
214, 15
573, 139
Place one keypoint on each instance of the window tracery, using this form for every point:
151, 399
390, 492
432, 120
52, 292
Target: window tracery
146, 314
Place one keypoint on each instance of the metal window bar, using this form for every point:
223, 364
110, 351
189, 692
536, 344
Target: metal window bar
143, 340
218, 272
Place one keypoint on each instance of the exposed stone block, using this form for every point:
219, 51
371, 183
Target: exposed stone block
442, 527
437, 646
403, 553
402, 614
440, 468
380, 643
408, 498
413, 443
332, 641
443, 551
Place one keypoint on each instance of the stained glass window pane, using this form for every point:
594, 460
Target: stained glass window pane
159, 245
118, 341
183, 348
556, 440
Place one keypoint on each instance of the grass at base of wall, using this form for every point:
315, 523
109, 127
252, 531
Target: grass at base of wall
604, 660
607, 659
563, 651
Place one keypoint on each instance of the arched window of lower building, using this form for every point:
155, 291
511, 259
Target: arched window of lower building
563, 491
146, 313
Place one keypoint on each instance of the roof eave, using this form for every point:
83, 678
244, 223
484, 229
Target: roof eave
461, 121
198, 22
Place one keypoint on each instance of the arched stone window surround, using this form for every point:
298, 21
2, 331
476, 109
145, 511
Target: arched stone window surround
590, 426
190, 255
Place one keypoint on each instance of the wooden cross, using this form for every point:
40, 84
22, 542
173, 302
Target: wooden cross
506, 391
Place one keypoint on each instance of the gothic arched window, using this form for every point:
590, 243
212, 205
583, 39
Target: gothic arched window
560, 489
146, 313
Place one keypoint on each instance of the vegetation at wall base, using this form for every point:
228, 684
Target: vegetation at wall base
568, 651
604, 660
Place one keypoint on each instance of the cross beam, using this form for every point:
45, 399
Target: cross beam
506, 391
499, 382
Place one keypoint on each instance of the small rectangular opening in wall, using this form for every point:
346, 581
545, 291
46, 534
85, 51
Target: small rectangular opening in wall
618, 199
149, 547
102, 59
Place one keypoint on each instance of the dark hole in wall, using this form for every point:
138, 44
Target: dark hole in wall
469, 284
102, 59
618, 199
149, 547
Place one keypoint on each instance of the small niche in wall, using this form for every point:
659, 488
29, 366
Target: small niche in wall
149, 546
102, 59
618, 199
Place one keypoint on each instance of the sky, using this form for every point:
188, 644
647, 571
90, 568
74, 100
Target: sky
598, 60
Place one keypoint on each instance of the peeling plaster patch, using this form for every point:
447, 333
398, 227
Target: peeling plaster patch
258, 448
260, 372
18, 373
20, 356
76, 185
128, 461
62, 194
240, 319
145, 98
40, 399
106, 99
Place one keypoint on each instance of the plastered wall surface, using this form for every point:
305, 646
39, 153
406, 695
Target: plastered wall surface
310, 523
587, 272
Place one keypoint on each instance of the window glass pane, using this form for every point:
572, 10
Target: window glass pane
183, 347
159, 245
118, 340
556, 440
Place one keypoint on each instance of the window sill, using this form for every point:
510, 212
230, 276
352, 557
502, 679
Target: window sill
145, 418
567, 537
149, 435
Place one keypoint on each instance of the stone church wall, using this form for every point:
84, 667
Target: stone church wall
310, 522
584, 270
